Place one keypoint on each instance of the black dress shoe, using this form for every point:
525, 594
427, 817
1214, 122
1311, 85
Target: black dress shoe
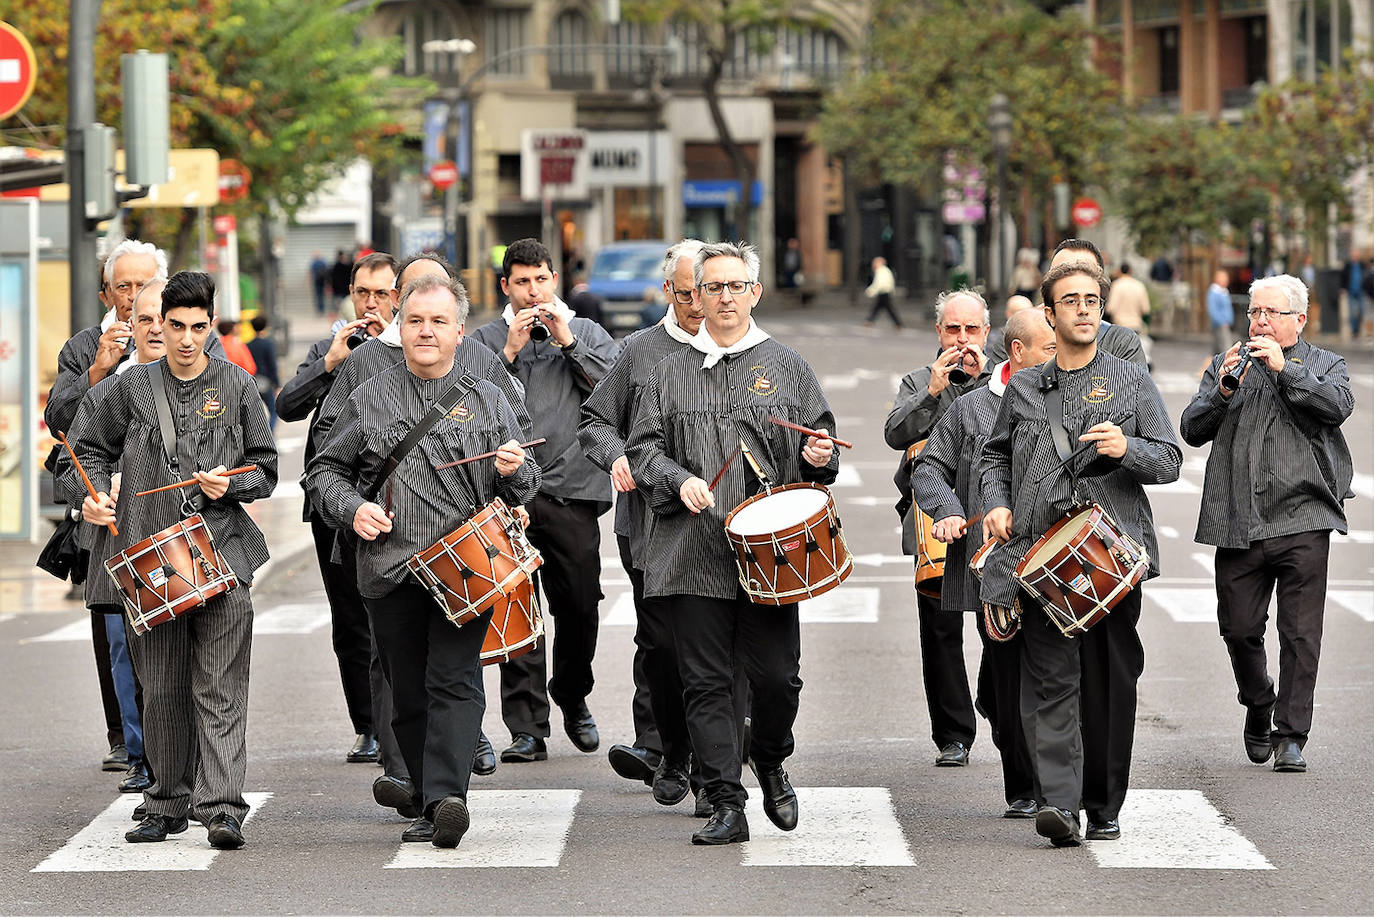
779, 799
1108, 830
1258, 723
952, 755
140, 811
450, 821
1059, 825
420, 830
116, 760
156, 828
1020, 808
580, 727
396, 793
484, 757
225, 832
137, 779
671, 781
524, 748
703, 807
1288, 757
727, 826
364, 750
634, 763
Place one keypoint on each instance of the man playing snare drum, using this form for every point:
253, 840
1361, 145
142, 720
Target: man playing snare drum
1078, 695
700, 404
432, 666
194, 668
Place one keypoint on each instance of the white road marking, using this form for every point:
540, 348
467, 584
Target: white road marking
1181, 486
1206, 561
79, 629
509, 828
1186, 606
100, 846
294, 618
6, 617
878, 560
287, 489
1175, 829
1355, 536
290, 443
848, 477
1363, 484
1176, 382
1361, 603
1167, 531
844, 605
622, 612
838, 826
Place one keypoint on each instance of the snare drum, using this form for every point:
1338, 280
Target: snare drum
166, 575
788, 544
475, 566
999, 622
930, 554
516, 625
1081, 568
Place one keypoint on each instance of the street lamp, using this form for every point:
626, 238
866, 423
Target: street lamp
999, 125
460, 48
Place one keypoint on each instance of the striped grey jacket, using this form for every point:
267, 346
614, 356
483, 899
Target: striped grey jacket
1279, 464
689, 421
70, 489
1020, 469
428, 504
219, 420
606, 417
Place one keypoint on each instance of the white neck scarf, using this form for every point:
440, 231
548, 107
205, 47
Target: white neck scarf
707, 344
675, 331
391, 334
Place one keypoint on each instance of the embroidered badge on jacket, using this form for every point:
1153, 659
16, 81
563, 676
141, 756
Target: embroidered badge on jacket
1099, 393
762, 385
460, 413
212, 407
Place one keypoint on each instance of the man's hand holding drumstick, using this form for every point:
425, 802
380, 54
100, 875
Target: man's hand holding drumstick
509, 458
370, 520
997, 524
818, 449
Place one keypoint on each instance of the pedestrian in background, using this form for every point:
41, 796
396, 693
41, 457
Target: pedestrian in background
319, 279
264, 352
1353, 277
340, 276
1025, 277
235, 351
880, 291
1220, 311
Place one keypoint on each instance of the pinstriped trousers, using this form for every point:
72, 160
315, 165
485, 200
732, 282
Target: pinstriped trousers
194, 672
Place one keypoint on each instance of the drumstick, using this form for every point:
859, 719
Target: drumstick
477, 458
720, 474
89, 486
970, 523
242, 469
810, 432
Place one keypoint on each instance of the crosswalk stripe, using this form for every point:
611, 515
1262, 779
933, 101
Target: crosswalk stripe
100, 846
294, 618
1205, 561
1175, 829
1181, 486
622, 612
838, 826
509, 828
1167, 531
1186, 606
1363, 484
845, 605
1361, 603
848, 477
79, 629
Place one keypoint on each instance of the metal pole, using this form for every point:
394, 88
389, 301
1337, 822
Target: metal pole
1001, 262
81, 257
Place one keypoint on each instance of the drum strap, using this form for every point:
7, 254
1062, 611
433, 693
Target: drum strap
158, 377
1054, 412
447, 400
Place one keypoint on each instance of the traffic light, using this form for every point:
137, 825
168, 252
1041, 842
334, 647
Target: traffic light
146, 118
99, 171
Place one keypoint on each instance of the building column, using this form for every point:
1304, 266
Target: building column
1189, 74
1211, 59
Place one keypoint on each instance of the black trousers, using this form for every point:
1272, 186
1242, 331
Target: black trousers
1078, 700
351, 632
883, 303
435, 673
567, 535
713, 637
1246, 578
999, 699
944, 674
109, 700
654, 658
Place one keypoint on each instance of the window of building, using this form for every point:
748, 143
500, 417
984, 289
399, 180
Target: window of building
691, 58
1168, 60
625, 63
751, 49
570, 63
421, 25
818, 53
505, 30
1321, 34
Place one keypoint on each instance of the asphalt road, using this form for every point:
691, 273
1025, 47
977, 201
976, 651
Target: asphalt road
882, 830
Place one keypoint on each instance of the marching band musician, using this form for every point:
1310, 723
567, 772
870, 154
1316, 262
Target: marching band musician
194, 668
694, 416
962, 324
1078, 694
432, 666
1277, 477
944, 485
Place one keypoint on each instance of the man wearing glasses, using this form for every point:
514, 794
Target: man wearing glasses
1278, 474
962, 323
1078, 694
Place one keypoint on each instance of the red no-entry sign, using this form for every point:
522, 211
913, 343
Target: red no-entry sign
18, 70
443, 174
1086, 212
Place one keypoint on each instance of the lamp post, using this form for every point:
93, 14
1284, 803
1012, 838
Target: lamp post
999, 126
460, 48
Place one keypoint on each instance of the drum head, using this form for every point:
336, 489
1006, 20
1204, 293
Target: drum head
1060, 535
778, 511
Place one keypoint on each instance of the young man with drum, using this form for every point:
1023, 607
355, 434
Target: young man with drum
705, 414
1087, 428
372, 475
945, 487
962, 323
188, 416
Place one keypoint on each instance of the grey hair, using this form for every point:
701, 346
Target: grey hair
741, 250
428, 282
156, 285
1293, 289
948, 296
687, 248
135, 247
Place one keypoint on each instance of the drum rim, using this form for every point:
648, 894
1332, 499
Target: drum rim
829, 507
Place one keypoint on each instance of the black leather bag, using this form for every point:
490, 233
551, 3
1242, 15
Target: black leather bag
62, 556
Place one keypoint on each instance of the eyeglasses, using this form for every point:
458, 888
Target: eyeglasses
682, 296
715, 287
1268, 314
967, 329
365, 294
1074, 301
